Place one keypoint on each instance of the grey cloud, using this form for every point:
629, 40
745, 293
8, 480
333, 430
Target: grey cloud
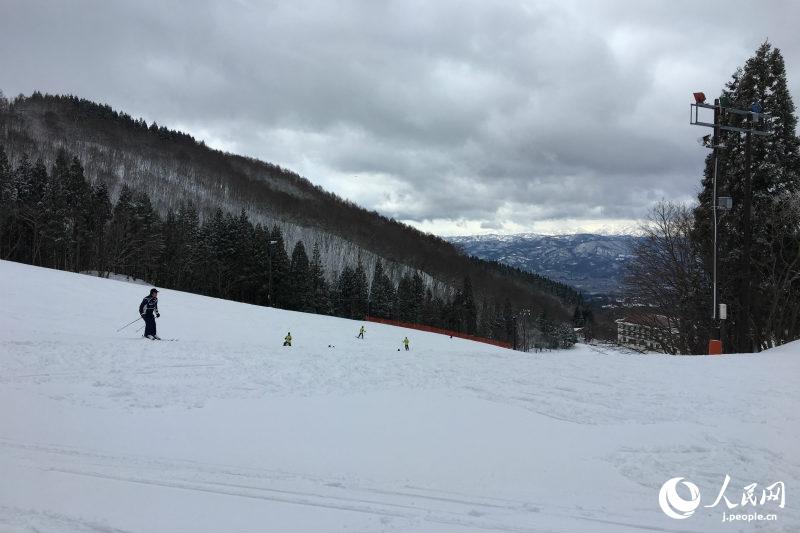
460, 111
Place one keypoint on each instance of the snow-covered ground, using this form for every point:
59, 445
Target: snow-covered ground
225, 430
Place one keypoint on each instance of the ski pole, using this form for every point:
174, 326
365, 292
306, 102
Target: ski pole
128, 324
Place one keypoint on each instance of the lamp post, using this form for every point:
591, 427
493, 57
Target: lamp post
269, 263
754, 114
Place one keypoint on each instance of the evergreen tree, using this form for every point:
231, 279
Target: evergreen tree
469, 312
5, 175
360, 295
431, 310
588, 324
577, 316
99, 217
417, 296
405, 310
243, 258
78, 197
56, 231
123, 234
381, 294
5, 201
544, 330
25, 215
147, 225
135, 240
167, 275
261, 261
281, 292
300, 282
343, 295
33, 210
745, 276
463, 314
320, 292
563, 337
186, 257
485, 319
508, 322
410, 298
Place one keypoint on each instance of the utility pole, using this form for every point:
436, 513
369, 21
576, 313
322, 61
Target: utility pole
716, 142
719, 311
269, 262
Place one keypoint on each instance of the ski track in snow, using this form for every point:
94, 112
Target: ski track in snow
226, 430
407, 502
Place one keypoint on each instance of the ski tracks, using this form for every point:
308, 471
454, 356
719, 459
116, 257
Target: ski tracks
403, 506
17, 520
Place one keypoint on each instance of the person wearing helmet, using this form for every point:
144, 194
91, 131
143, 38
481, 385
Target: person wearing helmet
147, 309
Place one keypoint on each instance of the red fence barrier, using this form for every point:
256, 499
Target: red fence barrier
440, 331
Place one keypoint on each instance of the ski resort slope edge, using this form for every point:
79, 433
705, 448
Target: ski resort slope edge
226, 430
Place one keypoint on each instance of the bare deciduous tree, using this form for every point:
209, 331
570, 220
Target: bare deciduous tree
778, 273
667, 277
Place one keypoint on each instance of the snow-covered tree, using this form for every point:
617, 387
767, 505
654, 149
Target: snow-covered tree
747, 236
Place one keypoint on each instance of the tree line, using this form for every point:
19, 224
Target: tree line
55, 218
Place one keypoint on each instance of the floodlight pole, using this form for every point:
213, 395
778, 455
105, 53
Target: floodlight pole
743, 320
269, 276
714, 143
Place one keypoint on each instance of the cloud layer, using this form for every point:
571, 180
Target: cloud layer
457, 117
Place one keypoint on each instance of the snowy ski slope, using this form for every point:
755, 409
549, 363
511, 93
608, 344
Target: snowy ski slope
225, 430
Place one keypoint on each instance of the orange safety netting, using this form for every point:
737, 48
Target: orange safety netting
440, 331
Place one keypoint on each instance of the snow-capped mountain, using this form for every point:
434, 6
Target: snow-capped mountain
593, 263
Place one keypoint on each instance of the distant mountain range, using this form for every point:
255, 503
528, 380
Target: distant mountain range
594, 264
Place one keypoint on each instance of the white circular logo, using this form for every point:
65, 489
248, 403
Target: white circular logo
672, 504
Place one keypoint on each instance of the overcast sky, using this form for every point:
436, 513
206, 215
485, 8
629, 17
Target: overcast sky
456, 117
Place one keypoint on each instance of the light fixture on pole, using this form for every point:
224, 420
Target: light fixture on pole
721, 106
270, 244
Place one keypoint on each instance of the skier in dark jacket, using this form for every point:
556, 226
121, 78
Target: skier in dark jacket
147, 308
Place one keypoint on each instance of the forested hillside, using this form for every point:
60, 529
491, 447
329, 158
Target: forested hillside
160, 205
